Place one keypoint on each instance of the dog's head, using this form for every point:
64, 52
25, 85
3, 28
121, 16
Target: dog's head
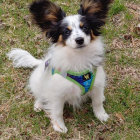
75, 31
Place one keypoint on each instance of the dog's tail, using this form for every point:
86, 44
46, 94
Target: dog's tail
22, 58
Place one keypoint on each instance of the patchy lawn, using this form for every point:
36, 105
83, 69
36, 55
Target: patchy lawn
122, 36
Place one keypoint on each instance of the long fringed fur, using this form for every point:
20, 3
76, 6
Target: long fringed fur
22, 58
95, 12
47, 16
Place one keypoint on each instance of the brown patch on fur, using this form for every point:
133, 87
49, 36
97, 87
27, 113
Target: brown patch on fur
61, 41
92, 36
81, 24
51, 17
90, 6
52, 12
69, 28
60, 38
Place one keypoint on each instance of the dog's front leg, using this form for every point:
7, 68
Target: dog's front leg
97, 95
55, 109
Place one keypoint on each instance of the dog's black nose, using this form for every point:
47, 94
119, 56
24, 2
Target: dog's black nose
79, 40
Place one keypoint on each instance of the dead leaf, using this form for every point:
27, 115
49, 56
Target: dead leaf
0, 133
128, 37
91, 125
65, 4
120, 117
12, 42
102, 128
27, 19
134, 7
68, 114
2, 25
2, 79
32, 115
101, 138
137, 29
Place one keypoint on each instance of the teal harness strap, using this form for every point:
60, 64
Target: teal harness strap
84, 80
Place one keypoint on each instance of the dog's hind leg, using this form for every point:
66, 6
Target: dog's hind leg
98, 96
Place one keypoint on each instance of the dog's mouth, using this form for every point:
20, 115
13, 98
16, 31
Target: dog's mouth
80, 46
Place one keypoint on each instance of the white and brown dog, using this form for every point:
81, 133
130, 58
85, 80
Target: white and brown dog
72, 69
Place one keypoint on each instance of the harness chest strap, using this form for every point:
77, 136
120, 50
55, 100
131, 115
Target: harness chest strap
85, 80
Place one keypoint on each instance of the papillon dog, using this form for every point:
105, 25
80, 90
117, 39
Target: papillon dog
72, 70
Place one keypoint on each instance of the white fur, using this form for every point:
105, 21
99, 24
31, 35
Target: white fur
53, 91
22, 58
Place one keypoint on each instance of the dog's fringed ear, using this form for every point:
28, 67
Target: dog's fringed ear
95, 12
47, 16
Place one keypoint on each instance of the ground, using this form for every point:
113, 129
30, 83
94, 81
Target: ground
122, 65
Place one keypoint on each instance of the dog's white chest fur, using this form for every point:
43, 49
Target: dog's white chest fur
66, 58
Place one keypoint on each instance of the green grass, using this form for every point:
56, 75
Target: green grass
117, 7
17, 118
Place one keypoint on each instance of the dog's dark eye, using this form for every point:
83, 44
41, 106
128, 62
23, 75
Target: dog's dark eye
85, 28
67, 32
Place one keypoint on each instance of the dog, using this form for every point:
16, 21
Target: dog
72, 70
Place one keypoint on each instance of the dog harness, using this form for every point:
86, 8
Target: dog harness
84, 80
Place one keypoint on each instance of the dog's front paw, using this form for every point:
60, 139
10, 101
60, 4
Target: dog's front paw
59, 127
102, 116
37, 107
